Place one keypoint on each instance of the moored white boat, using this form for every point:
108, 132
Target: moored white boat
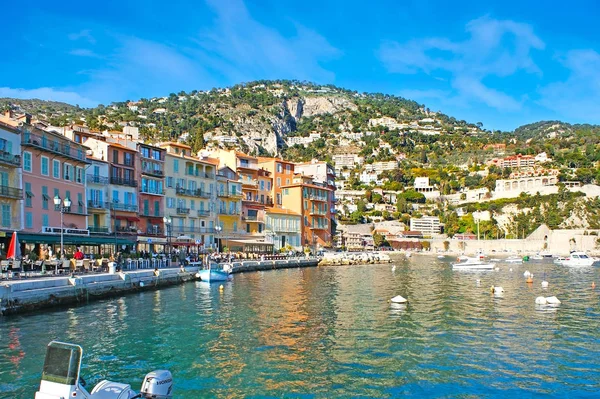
578, 259
215, 273
473, 264
61, 378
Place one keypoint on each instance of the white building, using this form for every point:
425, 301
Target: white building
422, 185
368, 177
379, 167
428, 225
349, 161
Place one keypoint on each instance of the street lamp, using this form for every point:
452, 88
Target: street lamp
168, 221
218, 229
62, 206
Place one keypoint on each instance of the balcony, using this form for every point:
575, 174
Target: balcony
225, 212
203, 214
154, 232
152, 192
127, 229
319, 227
192, 193
124, 207
251, 219
183, 211
250, 184
10, 192
97, 179
225, 194
243, 164
56, 146
98, 205
152, 215
283, 229
98, 230
192, 230
76, 210
318, 198
123, 182
316, 212
9, 159
153, 172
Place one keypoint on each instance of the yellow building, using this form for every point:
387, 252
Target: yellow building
191, 192
229, 205
283, 228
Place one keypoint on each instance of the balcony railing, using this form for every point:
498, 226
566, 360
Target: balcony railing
123, 182
192, 230
252, 219
153, 172
203, 213
317, 198
149, 214
76, 210
98, 205
56, 146
247, 165
11, 192
230, 212
97, 179
192, 193
183, 211
319, 227
226, 194
318, 212
127, 229
9, 159
152, 192
154, 232
124, 207
98, 230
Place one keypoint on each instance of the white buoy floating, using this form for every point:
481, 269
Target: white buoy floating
510, 270
497, 290
398, 299
544, 284
478, 282
527, 274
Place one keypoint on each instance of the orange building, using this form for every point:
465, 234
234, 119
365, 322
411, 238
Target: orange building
282, 174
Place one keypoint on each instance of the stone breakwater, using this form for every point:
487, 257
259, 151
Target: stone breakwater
26, 295
360, 258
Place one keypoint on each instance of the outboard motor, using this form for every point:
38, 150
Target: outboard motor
158, 384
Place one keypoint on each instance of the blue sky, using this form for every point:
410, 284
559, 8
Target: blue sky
503, 63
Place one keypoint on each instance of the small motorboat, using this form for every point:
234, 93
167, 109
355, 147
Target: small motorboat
216, 272
473, 264
578, 259
61, 379
440, 256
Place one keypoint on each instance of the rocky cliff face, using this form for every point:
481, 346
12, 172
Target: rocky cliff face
311, 106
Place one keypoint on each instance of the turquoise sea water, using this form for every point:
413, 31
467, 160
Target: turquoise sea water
330, 332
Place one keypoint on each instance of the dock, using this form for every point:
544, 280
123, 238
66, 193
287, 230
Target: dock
31, 294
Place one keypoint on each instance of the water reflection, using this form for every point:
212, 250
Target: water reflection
332, 332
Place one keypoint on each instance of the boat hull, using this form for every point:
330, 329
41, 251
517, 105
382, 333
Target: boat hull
213, 275
473, 266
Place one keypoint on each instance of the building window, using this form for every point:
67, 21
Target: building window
115, 156
288, 169
68, 171
6, 215
156, 208
169, 181
279, 182
234, 226
45, 197
268, 186
278, 199
56, 169
79, 175
45, 220
279, 168
170, 202
27, 161
45, 166
28, 220
176, 165
28, 195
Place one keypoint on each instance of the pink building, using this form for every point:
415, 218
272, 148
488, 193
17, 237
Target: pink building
53, 165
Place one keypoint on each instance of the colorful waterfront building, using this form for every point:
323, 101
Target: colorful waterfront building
283, 228
11, 186
122, 188
98, 204
229, 211
53, 167
190, 196
151, 175
282, 173
312, 200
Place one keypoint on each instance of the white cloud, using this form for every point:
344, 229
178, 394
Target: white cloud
244, 49
47, 93
84, 34
82, 52
578, 96
497, 48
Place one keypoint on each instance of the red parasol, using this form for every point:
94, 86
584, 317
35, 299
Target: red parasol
14, 249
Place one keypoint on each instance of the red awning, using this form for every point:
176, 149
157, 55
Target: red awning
133, 219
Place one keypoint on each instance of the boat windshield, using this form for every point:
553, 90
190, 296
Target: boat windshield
62, 363
583, 256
